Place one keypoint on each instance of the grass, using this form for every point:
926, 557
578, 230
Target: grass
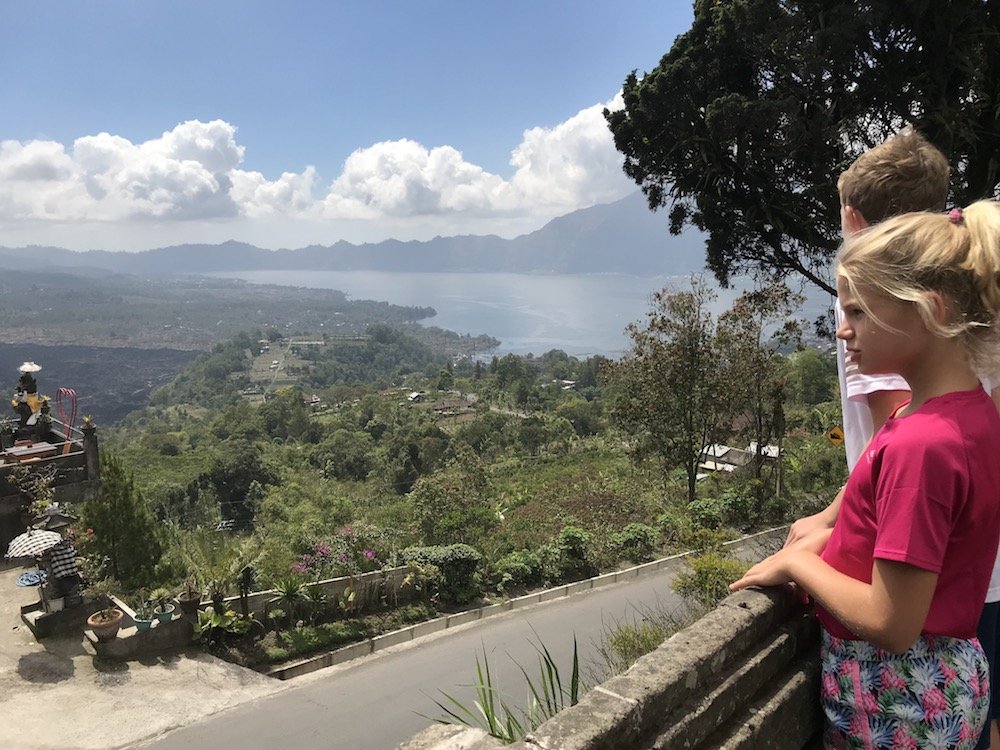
492, 712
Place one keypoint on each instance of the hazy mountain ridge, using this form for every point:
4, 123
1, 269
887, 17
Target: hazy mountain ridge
620, 237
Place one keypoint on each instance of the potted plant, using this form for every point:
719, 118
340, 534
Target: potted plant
163, 609
189, 597
143, 616
106, 622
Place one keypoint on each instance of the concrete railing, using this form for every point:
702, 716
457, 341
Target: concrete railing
743, 677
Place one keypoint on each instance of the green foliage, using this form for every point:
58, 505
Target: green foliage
284, 415
631, 640
494, 714
636, 542
456, 504
707, 577
521, 568
743, 127
811, 376
124, 530
666, 388
231, 477
345, 455
569, 557
459, 567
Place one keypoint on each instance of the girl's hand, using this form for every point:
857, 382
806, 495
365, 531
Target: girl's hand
771, 571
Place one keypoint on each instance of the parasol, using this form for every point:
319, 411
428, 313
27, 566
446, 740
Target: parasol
32, 543
29, 367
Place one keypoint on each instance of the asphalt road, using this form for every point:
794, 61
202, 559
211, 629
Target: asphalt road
376, 702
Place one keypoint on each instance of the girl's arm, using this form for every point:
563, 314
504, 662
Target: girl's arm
889, 612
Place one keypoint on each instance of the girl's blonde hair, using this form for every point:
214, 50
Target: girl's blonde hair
956, 255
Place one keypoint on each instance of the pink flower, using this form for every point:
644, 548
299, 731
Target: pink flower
889, 680
90, 532
342, 558
299, 568
370, 554
901, 739
933, 702
321, 550
965, 733
831, 688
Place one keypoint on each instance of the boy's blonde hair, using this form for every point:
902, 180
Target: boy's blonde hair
956, 255
905, 173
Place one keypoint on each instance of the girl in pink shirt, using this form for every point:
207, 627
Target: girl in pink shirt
900, 580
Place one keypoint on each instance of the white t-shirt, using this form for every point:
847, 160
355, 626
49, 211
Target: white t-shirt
858, 425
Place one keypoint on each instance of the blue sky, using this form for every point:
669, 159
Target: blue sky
136, 124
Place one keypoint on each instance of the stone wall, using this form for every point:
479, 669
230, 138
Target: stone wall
744, 677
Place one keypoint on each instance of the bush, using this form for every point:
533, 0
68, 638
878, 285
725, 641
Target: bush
568, 557
631, 640
707, 512
707, 579
518, 569
636, 542
459, 568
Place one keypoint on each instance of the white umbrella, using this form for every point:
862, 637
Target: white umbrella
32, 543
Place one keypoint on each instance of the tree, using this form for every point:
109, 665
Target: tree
748, 338
124, 529
745, 124
457, 504
666, 389
231, 477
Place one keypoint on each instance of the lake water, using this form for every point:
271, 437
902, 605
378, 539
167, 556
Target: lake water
580, 314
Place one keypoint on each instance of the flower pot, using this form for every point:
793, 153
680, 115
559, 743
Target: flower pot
141, 624
189, 603
166, 614
105, 623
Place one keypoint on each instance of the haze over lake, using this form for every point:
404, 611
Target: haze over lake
578, 313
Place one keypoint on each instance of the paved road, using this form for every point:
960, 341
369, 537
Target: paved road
375, 703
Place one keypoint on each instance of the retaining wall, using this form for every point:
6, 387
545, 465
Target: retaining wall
744, 677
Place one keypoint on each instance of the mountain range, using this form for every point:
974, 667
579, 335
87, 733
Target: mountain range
620, 237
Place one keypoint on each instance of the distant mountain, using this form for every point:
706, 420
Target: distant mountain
620, 237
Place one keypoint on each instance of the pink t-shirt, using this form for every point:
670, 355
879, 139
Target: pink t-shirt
925, 493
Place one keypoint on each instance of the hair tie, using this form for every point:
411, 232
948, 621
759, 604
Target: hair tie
955, 216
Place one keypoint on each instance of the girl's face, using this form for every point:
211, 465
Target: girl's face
889, 339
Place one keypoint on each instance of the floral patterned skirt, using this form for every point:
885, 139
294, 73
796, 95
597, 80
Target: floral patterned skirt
935, 695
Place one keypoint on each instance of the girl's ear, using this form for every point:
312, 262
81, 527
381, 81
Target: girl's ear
942, 314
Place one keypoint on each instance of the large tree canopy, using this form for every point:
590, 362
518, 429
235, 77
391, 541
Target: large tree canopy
744, 126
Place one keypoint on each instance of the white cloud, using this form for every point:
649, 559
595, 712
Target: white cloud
572, 165
192, 174
403, 178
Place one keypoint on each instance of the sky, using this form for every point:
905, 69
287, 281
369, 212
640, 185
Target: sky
132, 124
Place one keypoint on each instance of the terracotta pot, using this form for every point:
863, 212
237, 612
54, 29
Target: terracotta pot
189, 603
105, 627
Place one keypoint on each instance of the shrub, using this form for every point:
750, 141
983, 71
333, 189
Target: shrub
707, 512
568, 557
519, 568
631, 640
459, 567
636, 542
707, 579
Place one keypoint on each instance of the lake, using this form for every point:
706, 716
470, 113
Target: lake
580, 314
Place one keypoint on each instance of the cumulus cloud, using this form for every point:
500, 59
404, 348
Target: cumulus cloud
192, 174
403, 178
571, 165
